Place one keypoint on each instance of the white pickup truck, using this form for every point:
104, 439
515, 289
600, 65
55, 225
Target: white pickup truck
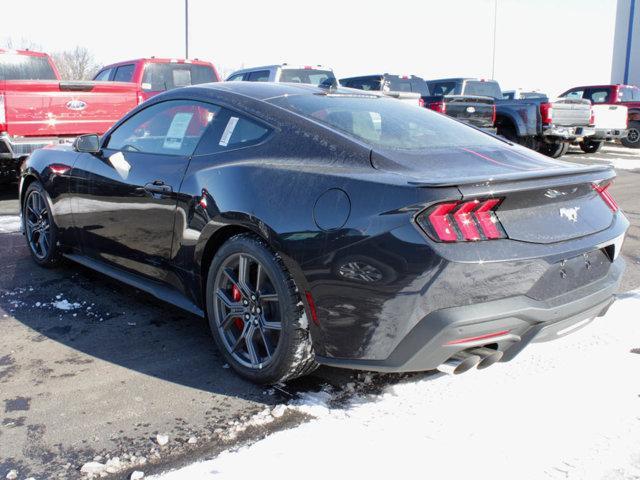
610, 122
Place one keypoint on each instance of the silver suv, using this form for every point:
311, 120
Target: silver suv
312, 74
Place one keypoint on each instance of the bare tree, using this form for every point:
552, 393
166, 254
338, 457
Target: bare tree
21, 44
76, 64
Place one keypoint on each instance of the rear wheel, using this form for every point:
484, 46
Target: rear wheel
255, 313
553, 150
590, 146
632, 140
40, 229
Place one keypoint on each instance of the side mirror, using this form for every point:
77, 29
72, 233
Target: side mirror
87, 143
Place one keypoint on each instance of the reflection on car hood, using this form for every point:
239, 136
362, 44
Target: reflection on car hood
467, 165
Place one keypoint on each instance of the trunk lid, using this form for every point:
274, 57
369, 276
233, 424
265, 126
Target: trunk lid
543, 200
476, 111
57, 108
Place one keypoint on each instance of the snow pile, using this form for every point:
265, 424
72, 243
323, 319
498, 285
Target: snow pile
9, 223
65, 304
563, 409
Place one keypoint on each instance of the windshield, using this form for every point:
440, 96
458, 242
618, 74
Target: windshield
165, 76
384, 122
25, 67
302, 75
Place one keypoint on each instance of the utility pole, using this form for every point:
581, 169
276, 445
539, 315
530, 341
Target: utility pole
495, 29
186, 29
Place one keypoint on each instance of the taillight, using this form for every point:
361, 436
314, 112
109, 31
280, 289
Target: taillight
606, 196
592, 117
439, 107
462, 221
546, 112
493, 116
421, 102
3, 115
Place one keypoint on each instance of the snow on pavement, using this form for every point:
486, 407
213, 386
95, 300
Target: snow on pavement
563, 409
9, 223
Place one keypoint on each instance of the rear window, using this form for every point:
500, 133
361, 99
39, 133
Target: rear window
444, 88
384, 122
303, 75
165, 76
395, 83
370, 83
25, 67
483, 89
124, 73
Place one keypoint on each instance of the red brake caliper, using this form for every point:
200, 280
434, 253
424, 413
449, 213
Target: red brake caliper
237, 296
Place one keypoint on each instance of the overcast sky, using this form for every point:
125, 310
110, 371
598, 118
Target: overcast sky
544, 44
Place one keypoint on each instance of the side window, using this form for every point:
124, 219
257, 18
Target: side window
124, 73
597, 95
259, 76
242, 132
168, 128
575, 94
103, 76
235, 78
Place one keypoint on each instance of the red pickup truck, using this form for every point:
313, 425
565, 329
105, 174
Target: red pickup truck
37, 108
627, 95
155, 75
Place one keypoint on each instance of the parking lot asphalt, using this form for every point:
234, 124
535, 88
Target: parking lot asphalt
90, 368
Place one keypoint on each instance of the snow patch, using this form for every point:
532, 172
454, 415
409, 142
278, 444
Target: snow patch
64, 304
562, 409
9, 223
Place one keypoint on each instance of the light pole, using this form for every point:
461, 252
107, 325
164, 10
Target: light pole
186, 29
495, 29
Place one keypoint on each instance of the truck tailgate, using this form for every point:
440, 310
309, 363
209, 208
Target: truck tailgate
477, 111
571, 112
610, 116
56, 108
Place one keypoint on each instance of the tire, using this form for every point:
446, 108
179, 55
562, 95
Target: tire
553, 150
40, 228
590, 146
508, 132
632, 140
244, 316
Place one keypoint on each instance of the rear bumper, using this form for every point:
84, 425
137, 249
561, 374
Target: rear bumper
12, 150
609, 134
522, 319
567, 133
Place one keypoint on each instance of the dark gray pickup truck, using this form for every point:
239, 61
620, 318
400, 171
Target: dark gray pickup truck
545, 126
478, 110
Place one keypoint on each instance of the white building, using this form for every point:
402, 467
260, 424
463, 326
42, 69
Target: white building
625, 66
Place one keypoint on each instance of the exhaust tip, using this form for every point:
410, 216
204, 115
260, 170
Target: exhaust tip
489, 357
457, 364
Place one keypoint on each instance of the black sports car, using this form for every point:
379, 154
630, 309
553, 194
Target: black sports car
330, 226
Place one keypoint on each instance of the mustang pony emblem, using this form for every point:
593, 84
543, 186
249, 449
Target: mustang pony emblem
570, 213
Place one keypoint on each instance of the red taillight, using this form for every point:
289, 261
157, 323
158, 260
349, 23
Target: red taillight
592, 117
462, 221
421, 102
493, 116
3, 115
606, 196
546, 112
439, 107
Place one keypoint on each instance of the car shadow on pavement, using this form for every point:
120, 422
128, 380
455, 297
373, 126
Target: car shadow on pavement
103, 319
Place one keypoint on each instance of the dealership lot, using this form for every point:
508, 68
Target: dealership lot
91, 368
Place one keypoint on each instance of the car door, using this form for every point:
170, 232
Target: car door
124, 198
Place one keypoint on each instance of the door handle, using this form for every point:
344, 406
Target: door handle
158, 186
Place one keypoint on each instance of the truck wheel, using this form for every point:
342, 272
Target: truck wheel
632, 140
508, 132
553, 150
40, 229
590, 146
255, 313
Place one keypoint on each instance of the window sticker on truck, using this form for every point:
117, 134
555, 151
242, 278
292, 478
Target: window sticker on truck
177, 130
228, 131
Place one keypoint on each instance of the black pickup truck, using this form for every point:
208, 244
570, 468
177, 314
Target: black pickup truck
476, 109
545, 126
408, 88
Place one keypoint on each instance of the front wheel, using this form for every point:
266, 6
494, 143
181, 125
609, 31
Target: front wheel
255, 313
632, 140
40, 228
590, 146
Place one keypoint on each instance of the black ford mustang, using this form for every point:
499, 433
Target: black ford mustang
329, 226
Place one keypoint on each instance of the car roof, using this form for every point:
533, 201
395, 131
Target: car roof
194, 61
267, 90
23, 52
283, 66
